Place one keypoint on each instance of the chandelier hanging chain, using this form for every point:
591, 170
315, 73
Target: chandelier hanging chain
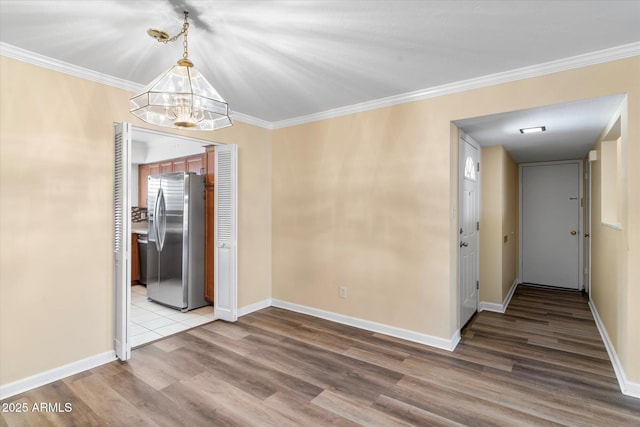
185, 32
185, 43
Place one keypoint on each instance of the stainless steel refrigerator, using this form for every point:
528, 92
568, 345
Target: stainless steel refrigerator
175, 251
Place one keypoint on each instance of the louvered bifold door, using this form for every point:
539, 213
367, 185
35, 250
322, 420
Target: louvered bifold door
225, 233
122, 238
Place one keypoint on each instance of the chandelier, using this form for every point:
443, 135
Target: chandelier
181, 97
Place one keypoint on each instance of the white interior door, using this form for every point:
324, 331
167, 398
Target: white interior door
551, 219
469, 217
225, 298
122, 239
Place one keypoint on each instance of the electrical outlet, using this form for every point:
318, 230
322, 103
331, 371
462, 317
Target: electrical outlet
343, 292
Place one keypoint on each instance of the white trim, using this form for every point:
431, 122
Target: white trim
33, 58
244, 118
242, 311
491, 306
626, 387
500, 308
584, 60
164, 134
55, 374
225, 257
405, 334
614, 225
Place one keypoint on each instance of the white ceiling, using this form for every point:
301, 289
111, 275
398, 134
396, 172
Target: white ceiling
571, 129
278, 60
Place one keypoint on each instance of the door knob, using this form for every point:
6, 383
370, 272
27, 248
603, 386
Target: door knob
465, 244
574, 232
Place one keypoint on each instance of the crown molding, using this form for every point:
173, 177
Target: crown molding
244, 118
584, 60
33, 58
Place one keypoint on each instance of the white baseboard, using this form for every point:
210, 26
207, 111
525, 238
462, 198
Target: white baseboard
499, 308
442, 343
20, 386
627, 387
242, 311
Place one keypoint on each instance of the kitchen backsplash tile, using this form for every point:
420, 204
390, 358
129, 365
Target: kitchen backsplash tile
138, 214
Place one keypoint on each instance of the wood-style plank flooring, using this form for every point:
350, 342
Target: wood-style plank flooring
541, 363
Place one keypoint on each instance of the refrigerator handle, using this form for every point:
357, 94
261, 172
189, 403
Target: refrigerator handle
156, 222
162, 224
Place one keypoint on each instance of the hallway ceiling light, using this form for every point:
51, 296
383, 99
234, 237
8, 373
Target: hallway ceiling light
181, 97
534, 129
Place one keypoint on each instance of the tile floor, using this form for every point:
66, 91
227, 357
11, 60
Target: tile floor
150, 321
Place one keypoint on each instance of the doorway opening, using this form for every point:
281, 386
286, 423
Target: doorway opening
572, 129
163, 277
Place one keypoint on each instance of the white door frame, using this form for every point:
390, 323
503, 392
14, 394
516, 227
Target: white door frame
225, 294
464, 139
586, 235
122, 239
581, 219
122, 315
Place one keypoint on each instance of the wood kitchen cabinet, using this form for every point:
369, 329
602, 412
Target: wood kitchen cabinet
209, 211
195, 164
166, 166
181, 164
209, 165
135, 259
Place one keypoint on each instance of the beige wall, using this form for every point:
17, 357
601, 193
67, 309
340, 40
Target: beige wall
348, 197
510, 216
498, 218
56, 216
364, 201
604, 255
491, 214
631, 243
614, 282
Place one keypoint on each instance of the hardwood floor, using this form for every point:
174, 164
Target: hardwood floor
541, 363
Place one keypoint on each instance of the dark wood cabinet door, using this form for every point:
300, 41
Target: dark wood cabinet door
209, 212
196, 164
166, 166
209, 165
179, 165
154, 168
